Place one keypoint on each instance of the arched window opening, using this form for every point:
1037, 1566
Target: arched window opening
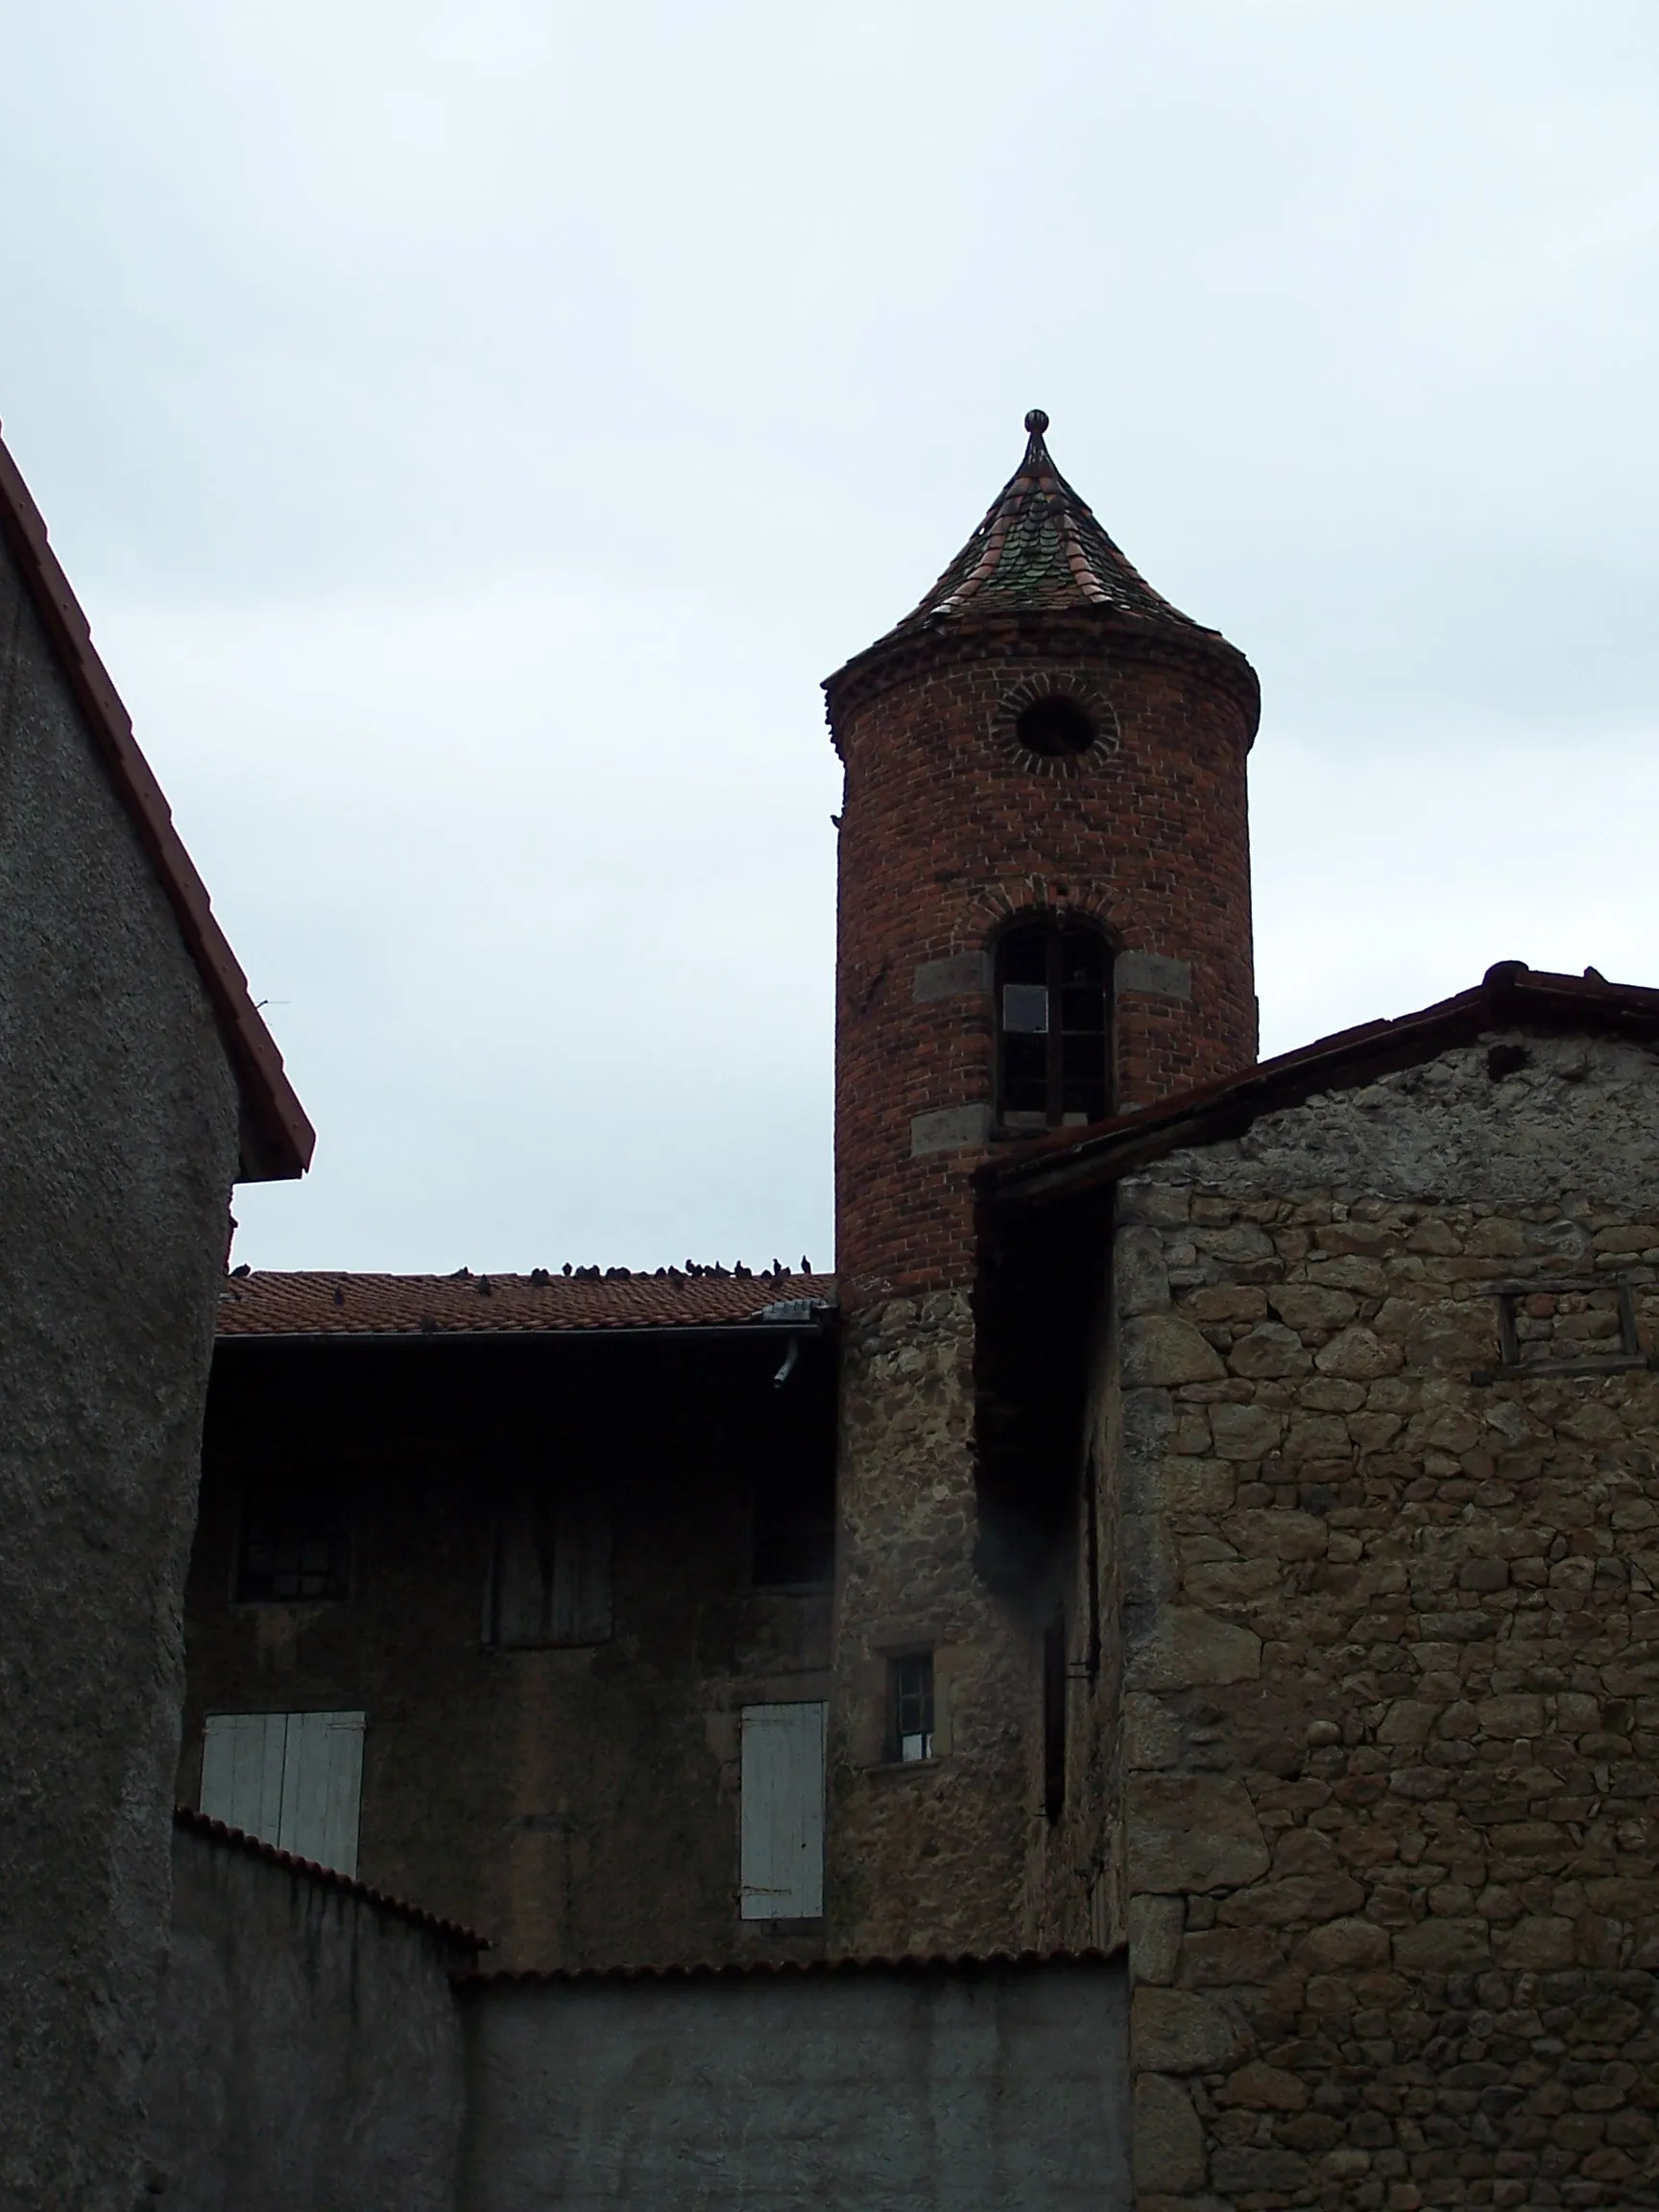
1054, 1032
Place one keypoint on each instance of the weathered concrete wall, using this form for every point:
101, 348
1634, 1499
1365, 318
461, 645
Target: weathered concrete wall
309, 2052
887, 2091
119, 1149
1392, 1714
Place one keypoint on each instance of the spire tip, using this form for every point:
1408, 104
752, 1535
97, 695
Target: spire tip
1036, 422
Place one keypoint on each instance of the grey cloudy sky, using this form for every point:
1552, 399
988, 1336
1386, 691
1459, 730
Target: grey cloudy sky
474, 432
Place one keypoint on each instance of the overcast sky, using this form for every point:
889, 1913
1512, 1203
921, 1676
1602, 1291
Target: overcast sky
475, 431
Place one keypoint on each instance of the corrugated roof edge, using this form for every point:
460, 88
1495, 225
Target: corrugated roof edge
277, 1137
1509, 996
213, 1830
810, 1969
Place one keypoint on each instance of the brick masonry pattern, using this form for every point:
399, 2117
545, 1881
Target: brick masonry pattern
950, 828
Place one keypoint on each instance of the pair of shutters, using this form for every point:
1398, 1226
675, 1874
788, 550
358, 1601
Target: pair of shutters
292, 1779
781, 1854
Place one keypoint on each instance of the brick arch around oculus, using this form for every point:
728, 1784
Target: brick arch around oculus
1077, 689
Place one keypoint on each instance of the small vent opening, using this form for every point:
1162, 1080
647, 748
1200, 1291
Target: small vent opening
1055, 725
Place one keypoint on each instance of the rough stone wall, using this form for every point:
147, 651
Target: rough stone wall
309, 2053
1391, 1728
120, 1144
950, 826
907, 2092
929, 1856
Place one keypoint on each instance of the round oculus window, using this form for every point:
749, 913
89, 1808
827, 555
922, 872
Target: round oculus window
1055, 725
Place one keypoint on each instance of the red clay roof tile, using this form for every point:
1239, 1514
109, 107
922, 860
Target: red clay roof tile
270, 1303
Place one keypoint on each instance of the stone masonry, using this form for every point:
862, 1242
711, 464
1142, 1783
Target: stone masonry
951, 828
1391, 1724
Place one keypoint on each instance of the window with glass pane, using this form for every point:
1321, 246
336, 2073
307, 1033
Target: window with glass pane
912, 1691
1053, 1034
293, 1540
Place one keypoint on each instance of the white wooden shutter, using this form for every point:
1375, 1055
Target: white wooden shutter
292, 1779
782, 1812
242, 1757
322, 1787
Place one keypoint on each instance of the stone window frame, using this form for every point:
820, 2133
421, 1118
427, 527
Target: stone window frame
1507, 1296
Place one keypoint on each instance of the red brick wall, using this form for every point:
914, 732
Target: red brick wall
950, 826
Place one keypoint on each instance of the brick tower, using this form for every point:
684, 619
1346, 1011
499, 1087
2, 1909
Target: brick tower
1044, 918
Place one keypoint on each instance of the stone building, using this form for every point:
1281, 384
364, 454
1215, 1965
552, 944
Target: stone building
139, 1085
1204, 1518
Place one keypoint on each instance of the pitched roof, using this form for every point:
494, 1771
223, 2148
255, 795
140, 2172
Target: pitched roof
270, 1304
276, 1138
1509, 996
1041, 550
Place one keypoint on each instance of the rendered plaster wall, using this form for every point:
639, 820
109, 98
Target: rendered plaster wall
119, 1150
310, 2048
986, 2091
1391, 1729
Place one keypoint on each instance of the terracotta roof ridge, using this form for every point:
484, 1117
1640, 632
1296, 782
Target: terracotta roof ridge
277, 1137
204, 1824
845, 1964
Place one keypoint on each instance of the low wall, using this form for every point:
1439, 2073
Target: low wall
891, 2089
309, 2057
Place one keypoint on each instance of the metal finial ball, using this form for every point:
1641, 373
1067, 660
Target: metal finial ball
1036, 422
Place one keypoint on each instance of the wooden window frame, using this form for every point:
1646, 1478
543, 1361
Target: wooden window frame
1053, 930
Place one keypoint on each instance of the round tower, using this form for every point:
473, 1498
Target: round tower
1044, 919
1045, 750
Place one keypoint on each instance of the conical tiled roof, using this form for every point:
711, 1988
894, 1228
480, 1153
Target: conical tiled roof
1039, 550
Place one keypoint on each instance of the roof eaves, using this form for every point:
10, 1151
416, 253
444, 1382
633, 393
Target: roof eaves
755, 1330
277, 1137
842, 1968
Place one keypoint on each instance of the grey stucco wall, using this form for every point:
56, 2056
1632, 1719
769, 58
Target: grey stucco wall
309, 2057
119, 1148
888, 2091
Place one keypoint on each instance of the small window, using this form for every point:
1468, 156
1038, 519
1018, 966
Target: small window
293, 1547
549, 1572
1054, 1032
912, 1707
1054, 1719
